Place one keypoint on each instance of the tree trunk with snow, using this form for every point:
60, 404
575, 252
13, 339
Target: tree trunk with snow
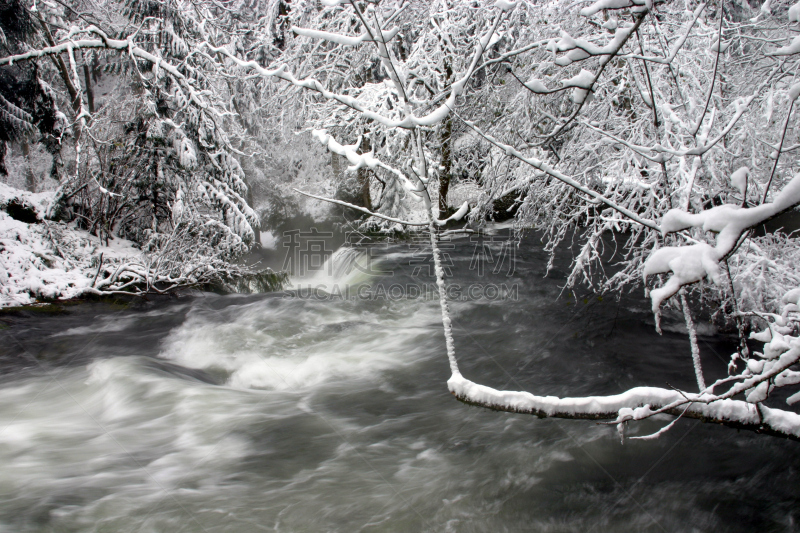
363, 175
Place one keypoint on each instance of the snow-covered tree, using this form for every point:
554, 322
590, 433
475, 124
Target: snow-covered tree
153, 154
660, 126
664, 127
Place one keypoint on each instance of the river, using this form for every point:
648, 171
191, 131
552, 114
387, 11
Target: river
327, 411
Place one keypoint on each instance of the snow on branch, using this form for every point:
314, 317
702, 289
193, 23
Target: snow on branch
344, 40
634, 404
409, 121
579, 49
513, 53
635, 5
544, 167
358, 161
678, 44
581, 84
790, 49
458, 215
740, 106
756, 382
615, 46
368, 160
114, 44
690, 264
639, 150
362, 209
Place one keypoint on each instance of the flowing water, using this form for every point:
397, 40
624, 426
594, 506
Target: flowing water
315, 411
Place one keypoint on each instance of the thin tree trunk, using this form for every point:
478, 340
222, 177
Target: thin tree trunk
363, 174
447, 166
336, 165
3, 153
30, 178
89, 90
62, 69
698, 367
447, 162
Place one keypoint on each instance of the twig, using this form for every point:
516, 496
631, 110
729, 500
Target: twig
98, 269
778, 156
362, 209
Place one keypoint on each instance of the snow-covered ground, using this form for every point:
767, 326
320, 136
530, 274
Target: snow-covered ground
48, 260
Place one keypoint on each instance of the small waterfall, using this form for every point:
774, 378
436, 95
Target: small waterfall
346, 266
342, 262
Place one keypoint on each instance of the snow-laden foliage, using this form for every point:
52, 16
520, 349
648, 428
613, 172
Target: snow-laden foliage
46, 260
152, 153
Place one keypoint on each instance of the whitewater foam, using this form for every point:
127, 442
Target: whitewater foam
298, 344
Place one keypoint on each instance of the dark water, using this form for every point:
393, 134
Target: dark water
300, 412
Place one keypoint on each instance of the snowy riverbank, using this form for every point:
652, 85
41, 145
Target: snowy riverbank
46, 260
